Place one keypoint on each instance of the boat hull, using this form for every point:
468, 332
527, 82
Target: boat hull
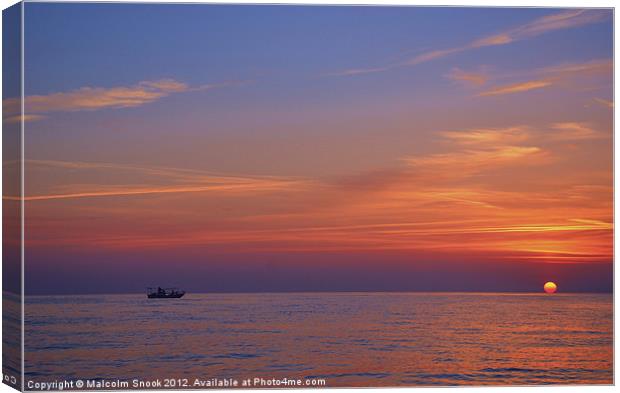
170, 296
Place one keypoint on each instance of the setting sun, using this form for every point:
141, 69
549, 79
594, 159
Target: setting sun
550, 287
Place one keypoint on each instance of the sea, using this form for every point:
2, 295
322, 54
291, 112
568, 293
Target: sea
320, 339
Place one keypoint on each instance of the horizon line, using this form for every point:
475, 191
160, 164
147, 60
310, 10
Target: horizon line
316, 292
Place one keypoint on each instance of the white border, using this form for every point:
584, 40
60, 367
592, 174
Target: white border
480, 3
424, 3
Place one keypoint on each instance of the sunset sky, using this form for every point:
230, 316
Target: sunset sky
268, 148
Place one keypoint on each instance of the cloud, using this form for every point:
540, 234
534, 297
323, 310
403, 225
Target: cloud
131, 191
91, 98
563, 20
472, 152
25, 118
65, 180
471, 162
475, 151
467, 78
558, 21
516, 88
517, 135
166, 85
359, 71
573, 131
603, 102
595, 67
499, 39
567, 75
488, 136
436, 54
94, 98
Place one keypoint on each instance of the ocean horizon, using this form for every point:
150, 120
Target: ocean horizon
516, 292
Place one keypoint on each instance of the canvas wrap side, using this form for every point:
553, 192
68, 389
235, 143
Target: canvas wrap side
11, 197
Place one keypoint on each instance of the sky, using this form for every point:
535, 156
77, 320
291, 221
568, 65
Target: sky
301, 148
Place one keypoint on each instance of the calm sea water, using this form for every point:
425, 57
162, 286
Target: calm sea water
349, 339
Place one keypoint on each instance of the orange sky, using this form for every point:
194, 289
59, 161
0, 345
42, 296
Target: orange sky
520, 192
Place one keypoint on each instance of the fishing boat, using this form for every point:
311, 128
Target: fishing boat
164, 293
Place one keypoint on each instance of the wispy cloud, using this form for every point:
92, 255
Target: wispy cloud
516, 88
603, 102
20, 118
470, 162
254, 186
518, 135
595, 67
566, 75
545, 24
358, 71
559, 21
488, 136
467, 78
474, 152
573, 131
132, 180
563, 20
94, 98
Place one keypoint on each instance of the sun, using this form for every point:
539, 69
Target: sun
550, 287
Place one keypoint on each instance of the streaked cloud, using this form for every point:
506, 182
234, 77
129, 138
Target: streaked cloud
588, 68
474, 159
520, 135
94, 98
399, 236
573, 131
130, 191
566, 75
603, 102
20, 118
133, 180
516, 88
358, 71
467, 78
488, 136
499, 39
562, 20
474, 151
558, 21
436, 54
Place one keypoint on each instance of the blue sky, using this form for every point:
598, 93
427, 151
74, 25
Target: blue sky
115, 44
